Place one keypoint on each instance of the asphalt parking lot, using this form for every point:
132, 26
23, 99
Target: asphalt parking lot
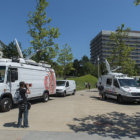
82, 116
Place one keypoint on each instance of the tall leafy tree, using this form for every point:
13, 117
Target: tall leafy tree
42, 34
84, 60
76, 66
10, 50
58, 69
84, 66
137, 2
65, 59
121, 52
88, 68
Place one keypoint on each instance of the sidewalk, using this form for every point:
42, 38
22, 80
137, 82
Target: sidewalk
80, 117
44, 135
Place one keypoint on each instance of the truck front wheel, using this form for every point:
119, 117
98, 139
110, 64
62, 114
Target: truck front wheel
45, 97
104, 96
120, 99
5, 104
64, 94
74, 92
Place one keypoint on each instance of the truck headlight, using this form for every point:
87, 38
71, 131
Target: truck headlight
127, 93
59, 89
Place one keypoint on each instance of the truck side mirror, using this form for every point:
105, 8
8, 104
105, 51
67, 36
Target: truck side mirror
8, 76
13, 76
118, 86
67, 84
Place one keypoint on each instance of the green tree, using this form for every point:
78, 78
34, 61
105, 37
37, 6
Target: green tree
65, 59
84, 60
10, 50
88, 68
84, 66
43, 35
121, 53
137, 2
76, 66
58, 69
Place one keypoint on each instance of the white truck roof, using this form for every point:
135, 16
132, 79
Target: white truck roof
117, 75
23, 63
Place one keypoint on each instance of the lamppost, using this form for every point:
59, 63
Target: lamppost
98, 59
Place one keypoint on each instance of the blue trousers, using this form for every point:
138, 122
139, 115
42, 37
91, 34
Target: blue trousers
20, 115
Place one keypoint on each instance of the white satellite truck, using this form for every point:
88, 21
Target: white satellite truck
40, 77
118, 86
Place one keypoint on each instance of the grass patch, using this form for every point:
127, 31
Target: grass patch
80, 81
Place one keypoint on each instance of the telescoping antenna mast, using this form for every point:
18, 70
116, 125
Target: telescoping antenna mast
108, 67
18, 49
28, 59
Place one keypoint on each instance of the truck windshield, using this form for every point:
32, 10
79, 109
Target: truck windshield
60, 83
128, 83
2, 73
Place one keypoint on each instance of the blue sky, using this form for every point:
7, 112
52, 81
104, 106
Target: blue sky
79, 21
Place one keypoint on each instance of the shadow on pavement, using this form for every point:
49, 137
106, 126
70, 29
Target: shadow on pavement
38, 101
33, 102
107, 100
10, 124
115, 125
60, 96
114, 101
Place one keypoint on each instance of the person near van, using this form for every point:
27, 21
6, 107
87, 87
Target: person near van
100, 88
23, 104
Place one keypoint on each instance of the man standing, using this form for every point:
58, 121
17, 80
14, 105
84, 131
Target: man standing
23, 104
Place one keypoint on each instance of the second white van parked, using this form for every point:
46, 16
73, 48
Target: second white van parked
65, 87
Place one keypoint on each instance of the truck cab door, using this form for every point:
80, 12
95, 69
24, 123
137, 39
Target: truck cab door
67, 87
12, 80
116, 87
109, 85
108, 88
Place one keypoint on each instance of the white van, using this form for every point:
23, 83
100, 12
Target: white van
64, 87
39, 76
118, 86
40, 79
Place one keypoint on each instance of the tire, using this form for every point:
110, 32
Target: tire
45, 97
5, 104
104, 96
120, 99
73, 92
64, 94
